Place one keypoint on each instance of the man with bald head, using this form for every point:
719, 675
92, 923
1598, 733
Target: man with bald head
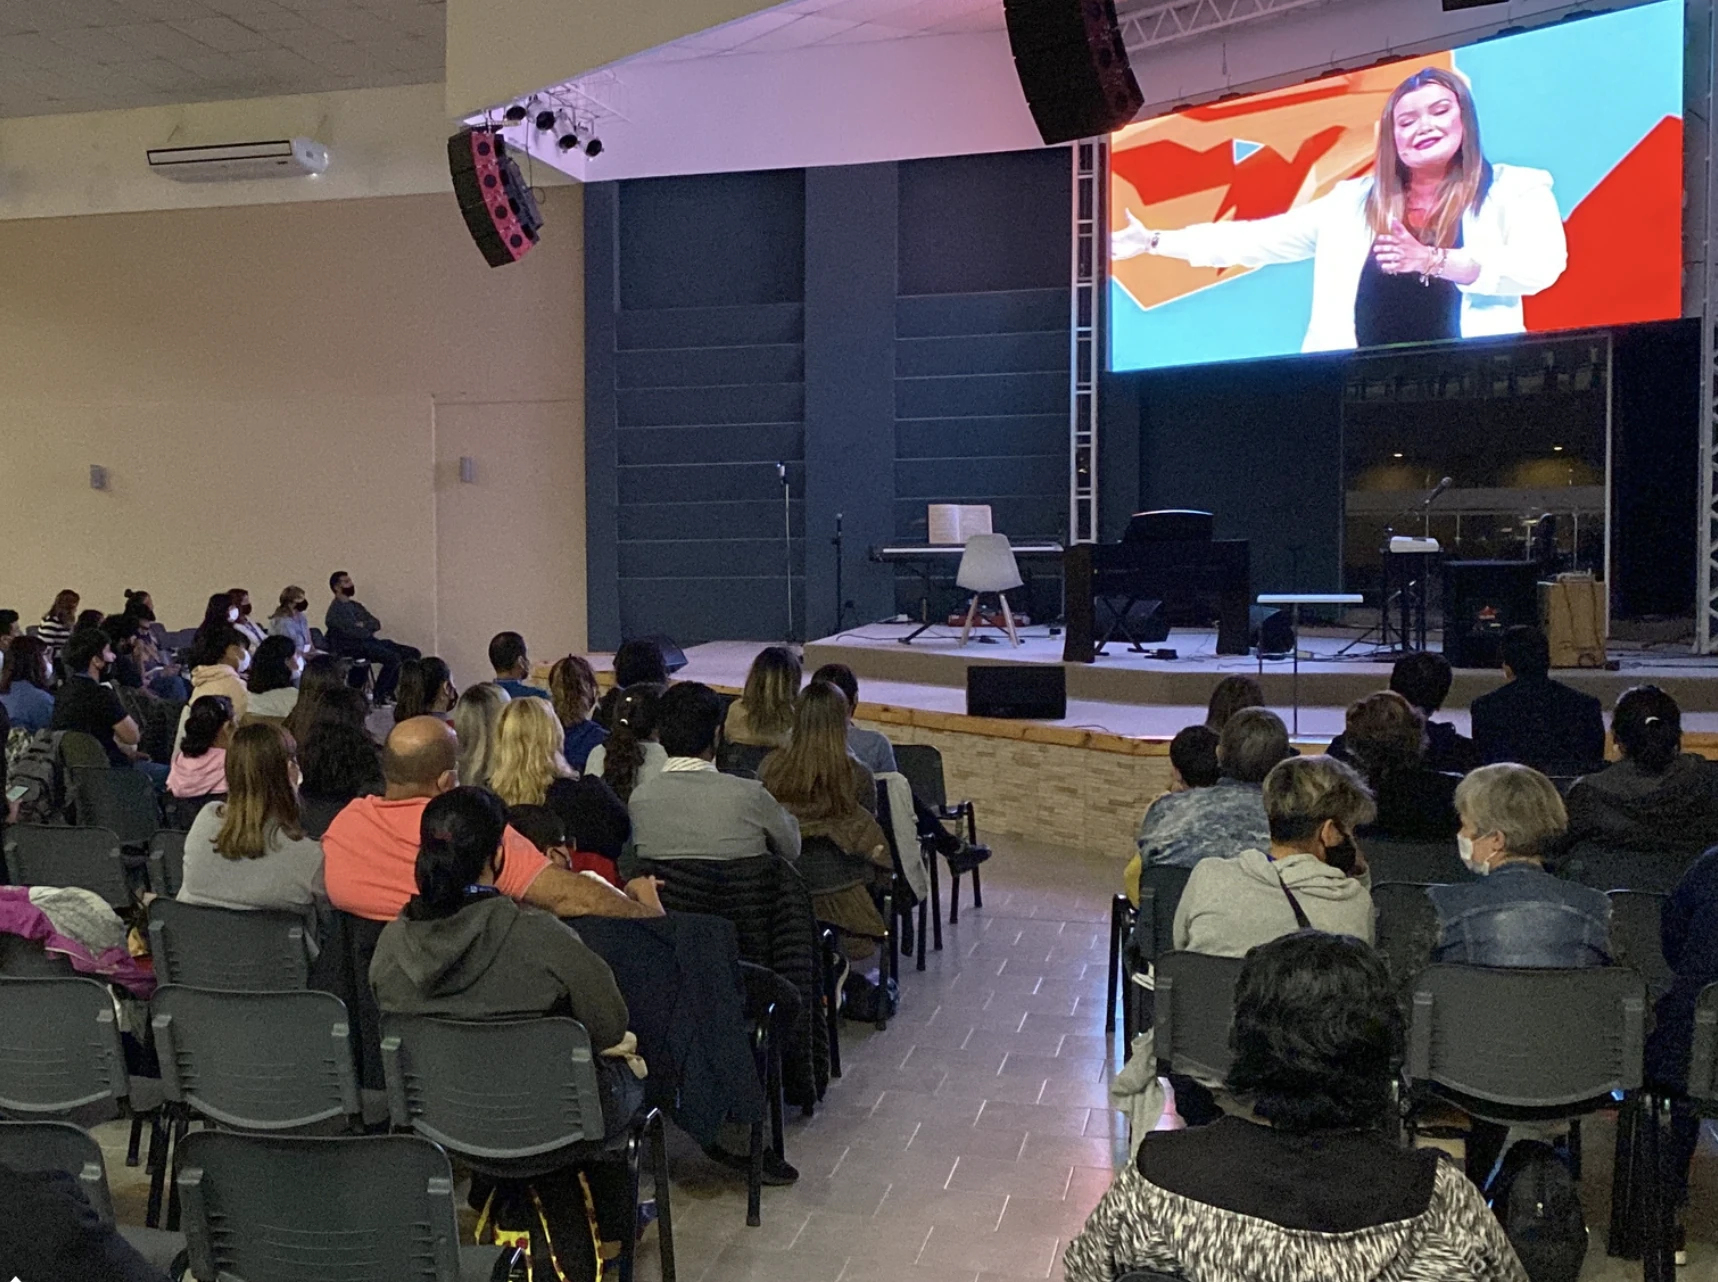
370, 851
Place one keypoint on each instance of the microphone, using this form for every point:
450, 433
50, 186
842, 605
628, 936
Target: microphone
1434, 495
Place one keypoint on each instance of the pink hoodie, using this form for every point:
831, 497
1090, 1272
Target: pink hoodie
198, 776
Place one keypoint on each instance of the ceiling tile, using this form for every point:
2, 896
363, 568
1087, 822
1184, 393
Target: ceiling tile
166, 10
99, 46
354, 24
222, 34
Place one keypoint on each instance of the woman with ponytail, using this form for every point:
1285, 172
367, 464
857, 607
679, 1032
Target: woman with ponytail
463, 950
200, 765
1656, 799
631, 753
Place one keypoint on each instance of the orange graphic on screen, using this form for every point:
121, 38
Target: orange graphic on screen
1245, 159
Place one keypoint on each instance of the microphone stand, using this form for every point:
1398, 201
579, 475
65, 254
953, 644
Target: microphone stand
787, 544
840, 598
1383, 629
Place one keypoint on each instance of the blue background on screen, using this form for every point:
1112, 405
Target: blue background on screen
1574, 98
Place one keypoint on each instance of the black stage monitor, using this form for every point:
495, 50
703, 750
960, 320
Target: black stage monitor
1028, 691
1169, 525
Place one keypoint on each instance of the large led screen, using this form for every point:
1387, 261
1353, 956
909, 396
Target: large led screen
1534, 184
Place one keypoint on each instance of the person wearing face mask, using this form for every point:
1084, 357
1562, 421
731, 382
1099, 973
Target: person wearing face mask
85, 703
240, 617
290, 620
273, 680
219, 659
353, 633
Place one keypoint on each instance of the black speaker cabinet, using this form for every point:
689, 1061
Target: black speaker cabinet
1023, 691
1270, 630
498, 208
673, 657
1073, 67
1482, 599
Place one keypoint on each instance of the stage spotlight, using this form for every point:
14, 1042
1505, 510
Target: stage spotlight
545, 121
593, 148
515, 113
568, 142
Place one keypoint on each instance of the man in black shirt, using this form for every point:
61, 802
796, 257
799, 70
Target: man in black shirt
85, 704
1534, 720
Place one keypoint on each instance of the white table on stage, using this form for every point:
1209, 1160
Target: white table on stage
1294, 601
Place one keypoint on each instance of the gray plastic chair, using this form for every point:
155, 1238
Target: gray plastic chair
50, 855
516, 1099
1193, 1009
117, 798
1657, 872
922, 765
1425, 863
1635, 938
60, 1146
278, 1209
1152, 935
167, 861
1405, 931
60, 1055
257, 950
256, 1061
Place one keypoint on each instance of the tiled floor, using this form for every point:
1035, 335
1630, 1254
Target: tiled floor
969, 1141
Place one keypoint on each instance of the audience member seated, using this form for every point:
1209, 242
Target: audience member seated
594, 822
252, 631
1182, 828
218, 658
762, 717
85, 704
353, 631
1657, 798
543, 828
87, 619
573, 689
637, 662
24, 683
290, 619
1231, 696
55, 629
689, 810
161, 674
475, 717
632, 753
370, 848
1385, 738
219, 614
462, 949
832, 796
1534, 720
1516, 914
871, 747
9, 627
1423, 678
425, 690
1192, 764
513, 666
50, 1233
339, 762
1311, 876
527, 756
274, 672
323, 695
251, 850
199, 768
1319, 1186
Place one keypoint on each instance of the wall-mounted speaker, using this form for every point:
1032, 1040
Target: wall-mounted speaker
1073, 66
498, 207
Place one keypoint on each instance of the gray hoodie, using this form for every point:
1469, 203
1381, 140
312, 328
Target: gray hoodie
1232, 904
496, 959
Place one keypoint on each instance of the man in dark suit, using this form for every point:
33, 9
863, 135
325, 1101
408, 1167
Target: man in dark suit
1534, 720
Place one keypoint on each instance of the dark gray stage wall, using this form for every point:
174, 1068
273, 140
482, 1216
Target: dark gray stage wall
895, 333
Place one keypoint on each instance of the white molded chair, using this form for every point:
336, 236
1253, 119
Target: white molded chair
988, 565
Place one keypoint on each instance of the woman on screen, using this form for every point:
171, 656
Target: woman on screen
1436, 243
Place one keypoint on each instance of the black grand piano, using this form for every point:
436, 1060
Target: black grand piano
1165, 556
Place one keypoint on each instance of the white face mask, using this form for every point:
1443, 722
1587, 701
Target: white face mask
232, 614
1464, 844
244, 661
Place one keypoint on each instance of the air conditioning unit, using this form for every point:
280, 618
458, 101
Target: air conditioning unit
240, 161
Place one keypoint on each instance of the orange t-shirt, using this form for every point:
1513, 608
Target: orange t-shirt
370, 854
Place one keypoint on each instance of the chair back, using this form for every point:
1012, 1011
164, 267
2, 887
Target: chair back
78, 749
167, 859
741, 758
50, 855
1424, 863
1193, 1009
117, 798
28, 959
256, 1061
1635, 938
59, 1146
1405, 931
1538, 1039
496, 1092
59, 1047
255, 950
923, 766
987, 565
1703, 1053
298, 1209
1160, 887
1654, 871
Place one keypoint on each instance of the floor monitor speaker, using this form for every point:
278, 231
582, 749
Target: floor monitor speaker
673, 657
1073, 67
1271, 630
1024, 691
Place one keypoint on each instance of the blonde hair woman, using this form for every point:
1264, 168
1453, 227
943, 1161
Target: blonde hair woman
250, 851
474, 718
527, 753
763, 714
1436, 242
